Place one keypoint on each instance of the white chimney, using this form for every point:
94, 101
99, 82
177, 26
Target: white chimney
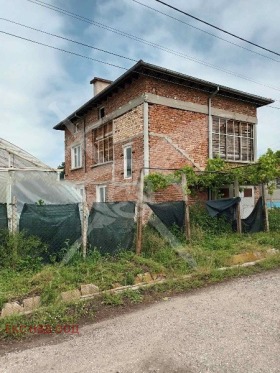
99, 84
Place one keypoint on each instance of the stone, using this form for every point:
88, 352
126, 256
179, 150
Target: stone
139, 278
147, 277
272, 251
246, 257
70, 295
30, 304
11, 309
89, 289
116, 285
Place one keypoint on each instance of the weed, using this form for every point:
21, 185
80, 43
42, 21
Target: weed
111, 299
133, 295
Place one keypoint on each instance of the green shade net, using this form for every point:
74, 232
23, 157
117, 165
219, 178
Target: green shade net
170, 213
3, 216
111, 226
53, 224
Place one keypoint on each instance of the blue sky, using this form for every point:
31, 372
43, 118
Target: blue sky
41, 86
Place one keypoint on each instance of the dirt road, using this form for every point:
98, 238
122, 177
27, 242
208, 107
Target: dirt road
232, 327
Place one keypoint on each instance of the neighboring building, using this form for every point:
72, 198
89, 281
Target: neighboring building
273, 200
155, 118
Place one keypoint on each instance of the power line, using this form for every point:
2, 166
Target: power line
121, 67
217, 28
204, 31
154, 45
62, 50
67, 39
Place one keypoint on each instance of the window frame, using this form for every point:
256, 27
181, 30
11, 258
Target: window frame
76, 127
125, 161
98, 193
79, 164
101, 112
236, 141
103, 149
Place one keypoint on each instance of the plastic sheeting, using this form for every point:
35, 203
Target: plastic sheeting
111, 226
170, 213
255, 221
53, 224
3, 216
225, 207
32, 186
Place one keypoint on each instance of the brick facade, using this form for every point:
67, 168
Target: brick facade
176, 136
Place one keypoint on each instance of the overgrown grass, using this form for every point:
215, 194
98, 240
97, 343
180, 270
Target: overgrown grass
212, 246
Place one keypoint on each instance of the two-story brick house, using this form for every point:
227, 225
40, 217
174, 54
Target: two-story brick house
152, 117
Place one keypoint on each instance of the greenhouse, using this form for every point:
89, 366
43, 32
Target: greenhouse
25, 180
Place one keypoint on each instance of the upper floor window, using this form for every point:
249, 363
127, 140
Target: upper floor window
233, 140
76, 156
101, 112
76, 127
127, 162
103, 143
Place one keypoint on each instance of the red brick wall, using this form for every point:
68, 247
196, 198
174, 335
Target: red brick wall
188, 131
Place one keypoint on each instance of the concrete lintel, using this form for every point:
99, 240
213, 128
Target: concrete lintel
170, 102
197, 108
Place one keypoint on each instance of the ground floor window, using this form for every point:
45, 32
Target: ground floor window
127, 162
233, 140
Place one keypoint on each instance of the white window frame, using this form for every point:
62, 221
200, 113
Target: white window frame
125, 165
101, 196
76, 156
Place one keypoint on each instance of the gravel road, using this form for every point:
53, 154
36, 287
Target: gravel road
231, 327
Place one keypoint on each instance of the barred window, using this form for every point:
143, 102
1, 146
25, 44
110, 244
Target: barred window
103, 144
233, 140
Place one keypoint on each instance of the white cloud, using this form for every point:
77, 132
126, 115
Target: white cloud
41, 86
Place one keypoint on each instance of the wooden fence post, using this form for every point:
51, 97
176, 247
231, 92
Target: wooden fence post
140, 214
187, 209
265, 209
84, 228
238, 212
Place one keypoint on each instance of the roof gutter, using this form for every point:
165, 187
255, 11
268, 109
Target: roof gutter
210, 122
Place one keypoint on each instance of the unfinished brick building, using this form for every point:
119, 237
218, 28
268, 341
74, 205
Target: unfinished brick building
151, 117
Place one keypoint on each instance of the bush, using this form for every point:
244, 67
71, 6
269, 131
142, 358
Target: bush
19, 251
274, 219
201, 221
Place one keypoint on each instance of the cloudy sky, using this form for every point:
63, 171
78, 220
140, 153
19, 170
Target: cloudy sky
40, 86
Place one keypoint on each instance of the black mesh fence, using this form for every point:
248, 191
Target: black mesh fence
3, 216
170, 213
58, 226
111, 226
255, 221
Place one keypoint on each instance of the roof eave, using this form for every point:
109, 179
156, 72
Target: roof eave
258, 101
